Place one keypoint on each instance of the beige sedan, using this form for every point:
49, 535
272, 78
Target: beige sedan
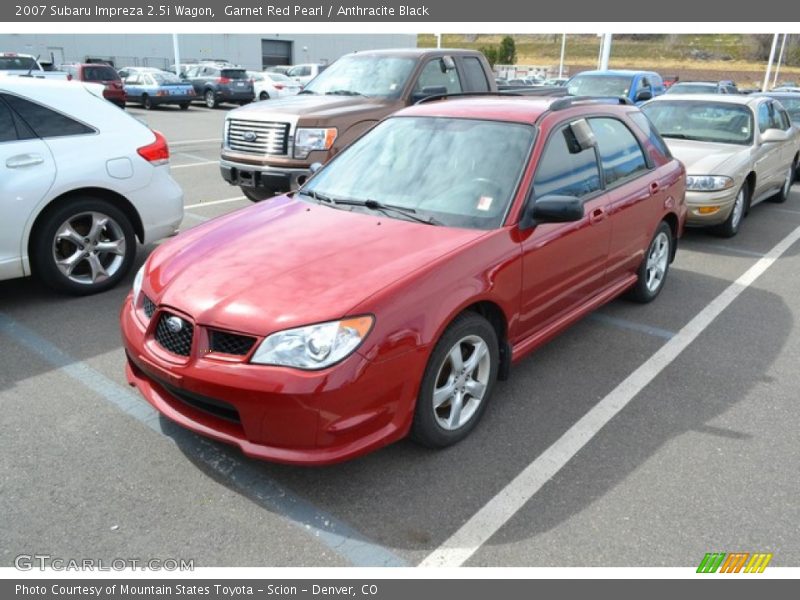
738, 151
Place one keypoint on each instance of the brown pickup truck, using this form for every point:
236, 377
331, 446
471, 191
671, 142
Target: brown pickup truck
268, 147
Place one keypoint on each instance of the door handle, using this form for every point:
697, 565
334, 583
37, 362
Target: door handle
654, 187
597, 215
24, 160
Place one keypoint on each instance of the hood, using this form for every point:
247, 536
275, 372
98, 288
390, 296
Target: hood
309, 107
705, 158
288, 263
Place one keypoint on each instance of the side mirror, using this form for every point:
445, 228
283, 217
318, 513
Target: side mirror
774, 135
643, 95
583, 137
446, 63
182, 76
315, 167
552, 209
428, 90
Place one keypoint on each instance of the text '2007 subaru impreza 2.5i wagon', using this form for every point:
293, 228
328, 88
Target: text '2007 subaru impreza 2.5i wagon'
387, 295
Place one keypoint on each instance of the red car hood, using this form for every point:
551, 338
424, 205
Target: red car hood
287, 263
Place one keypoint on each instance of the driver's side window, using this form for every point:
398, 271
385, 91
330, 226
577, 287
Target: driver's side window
565, 173
763, 117
434, 74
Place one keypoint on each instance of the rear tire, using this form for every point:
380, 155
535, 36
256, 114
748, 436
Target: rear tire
783, 195
458, 382
147, 103
184, 105
83, 246
263, 96
211, 99
653, 271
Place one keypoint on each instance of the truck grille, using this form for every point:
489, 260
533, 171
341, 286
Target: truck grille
258, 137
175, 334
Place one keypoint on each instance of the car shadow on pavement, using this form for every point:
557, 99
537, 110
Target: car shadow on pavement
411, 499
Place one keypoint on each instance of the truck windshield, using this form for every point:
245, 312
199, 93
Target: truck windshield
365, 75
449, 171
599, 85
17, 63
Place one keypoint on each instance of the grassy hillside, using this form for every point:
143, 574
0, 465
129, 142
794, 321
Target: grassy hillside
710, 56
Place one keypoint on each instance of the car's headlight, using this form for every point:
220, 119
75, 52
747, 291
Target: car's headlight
708, 183
137, 285
307, 139
314, 346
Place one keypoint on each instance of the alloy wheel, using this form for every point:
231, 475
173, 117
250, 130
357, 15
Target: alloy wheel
657, 259
461, 382
89, 247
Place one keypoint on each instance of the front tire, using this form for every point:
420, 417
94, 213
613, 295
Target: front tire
256, 194
83, 247
652, 272
211, 99
730, 227
458, 382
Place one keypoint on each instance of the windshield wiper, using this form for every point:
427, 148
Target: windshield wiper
317, 196
380, 206
306, 92
343, 93
677, 136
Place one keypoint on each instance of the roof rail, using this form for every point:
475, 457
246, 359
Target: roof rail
569, 101
461, 95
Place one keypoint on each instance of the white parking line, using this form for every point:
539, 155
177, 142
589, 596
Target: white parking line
205, 163
190, 142
213, 202
488, 520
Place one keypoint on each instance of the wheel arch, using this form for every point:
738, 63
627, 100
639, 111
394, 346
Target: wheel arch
118, 200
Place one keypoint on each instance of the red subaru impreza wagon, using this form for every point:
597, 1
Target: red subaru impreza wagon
387, 295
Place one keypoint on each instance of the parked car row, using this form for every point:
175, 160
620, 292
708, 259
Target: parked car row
455, 231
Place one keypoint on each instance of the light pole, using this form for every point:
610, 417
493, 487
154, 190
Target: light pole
561, 63
764, 88
780, 59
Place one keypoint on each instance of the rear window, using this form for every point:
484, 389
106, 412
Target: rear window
100, 74
476, 77
44, 122
14, 63
234, 73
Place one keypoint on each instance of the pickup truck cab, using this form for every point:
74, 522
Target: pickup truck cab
268, 147
26, 65
636, 86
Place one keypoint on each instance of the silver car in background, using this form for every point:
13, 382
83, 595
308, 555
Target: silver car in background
738, 151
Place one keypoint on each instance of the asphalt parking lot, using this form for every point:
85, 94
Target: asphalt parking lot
702, 459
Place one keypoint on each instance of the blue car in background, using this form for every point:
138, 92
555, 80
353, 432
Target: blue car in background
636, 86
153, 87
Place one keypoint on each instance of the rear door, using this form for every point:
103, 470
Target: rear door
634, 197
564, 263
27, 171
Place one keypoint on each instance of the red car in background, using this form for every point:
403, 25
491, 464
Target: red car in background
387, 295
99, 73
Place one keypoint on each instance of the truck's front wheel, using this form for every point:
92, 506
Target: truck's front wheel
257, 194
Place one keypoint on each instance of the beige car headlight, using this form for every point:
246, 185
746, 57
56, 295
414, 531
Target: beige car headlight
708, 183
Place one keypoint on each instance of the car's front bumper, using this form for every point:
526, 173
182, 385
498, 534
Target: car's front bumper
278, 414
719, 205
274, 178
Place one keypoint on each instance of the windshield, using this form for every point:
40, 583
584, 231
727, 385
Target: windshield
792, 106
15, 63
381, 76
599, 85
702, 121
460, 172
693, 88
162, 78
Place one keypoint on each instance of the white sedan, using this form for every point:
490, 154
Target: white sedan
268, 85
80, 182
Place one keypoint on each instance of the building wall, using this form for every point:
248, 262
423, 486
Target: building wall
156, 49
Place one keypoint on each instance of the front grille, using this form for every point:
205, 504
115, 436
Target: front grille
230, 343
149, 307
270, 137
178, 342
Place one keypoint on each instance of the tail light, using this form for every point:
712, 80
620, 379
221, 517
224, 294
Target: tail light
156, 153
278, 86
224, 80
